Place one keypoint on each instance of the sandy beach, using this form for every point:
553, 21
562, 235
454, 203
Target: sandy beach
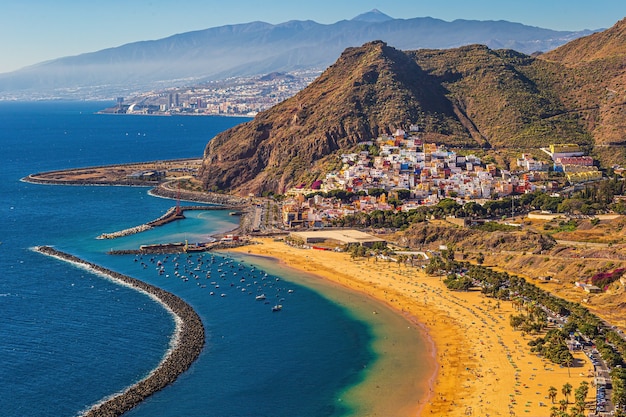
481, 366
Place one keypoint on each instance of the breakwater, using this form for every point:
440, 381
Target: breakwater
186, 347
117, 174
170, 215
168, 190
178, 248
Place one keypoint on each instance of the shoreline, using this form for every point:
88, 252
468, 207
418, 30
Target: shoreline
403, 352
185, 347
482, 366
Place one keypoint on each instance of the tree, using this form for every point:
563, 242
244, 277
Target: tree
581, 393
552, 393
404, 194
567, 390
563, 405
480, 258
567, 359
473, 209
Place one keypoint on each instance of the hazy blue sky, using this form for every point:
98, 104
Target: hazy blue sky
33, 31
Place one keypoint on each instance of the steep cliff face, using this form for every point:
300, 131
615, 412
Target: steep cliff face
370, 90
471, 97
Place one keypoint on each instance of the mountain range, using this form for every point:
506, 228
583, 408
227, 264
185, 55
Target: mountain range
257, 48
496, 101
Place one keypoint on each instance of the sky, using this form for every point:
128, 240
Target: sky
33, 31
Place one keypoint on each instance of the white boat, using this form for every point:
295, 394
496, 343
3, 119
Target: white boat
260, 297
277, 307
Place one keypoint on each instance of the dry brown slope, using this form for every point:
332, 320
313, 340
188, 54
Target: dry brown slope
370, 90
596, 86
464, 97
600, 45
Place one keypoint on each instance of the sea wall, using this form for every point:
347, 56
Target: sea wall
187, 347
232, 201
172, 214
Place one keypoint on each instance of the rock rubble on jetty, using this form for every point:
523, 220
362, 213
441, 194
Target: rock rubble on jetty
165, 190
125, 232
190, 342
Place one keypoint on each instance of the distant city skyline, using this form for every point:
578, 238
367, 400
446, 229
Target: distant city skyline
34, 31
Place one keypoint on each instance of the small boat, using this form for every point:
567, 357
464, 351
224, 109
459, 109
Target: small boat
277, 307
260, 297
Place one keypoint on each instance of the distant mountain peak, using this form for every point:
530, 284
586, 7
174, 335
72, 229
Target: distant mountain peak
373, 16
256, 48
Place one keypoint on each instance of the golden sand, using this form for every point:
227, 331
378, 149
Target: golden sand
484, 367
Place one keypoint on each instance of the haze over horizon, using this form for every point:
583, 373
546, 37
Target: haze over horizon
36, 31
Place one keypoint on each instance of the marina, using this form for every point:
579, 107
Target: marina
214, 272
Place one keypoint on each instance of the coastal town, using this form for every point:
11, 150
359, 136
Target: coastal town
315, 213
237, 96
401, 172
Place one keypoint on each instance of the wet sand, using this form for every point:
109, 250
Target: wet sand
483, 367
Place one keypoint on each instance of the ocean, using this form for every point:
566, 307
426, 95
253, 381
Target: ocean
71, 338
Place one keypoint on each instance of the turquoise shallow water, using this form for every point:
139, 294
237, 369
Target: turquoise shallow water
71, 338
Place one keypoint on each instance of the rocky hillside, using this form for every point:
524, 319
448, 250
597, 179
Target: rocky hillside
472, 97
430, 235
596, 77
598, 46
370, 90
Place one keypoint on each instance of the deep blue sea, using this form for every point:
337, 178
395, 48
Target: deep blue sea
70, 338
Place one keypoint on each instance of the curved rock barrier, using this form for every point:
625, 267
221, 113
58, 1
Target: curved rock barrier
125, 232
171, 215
187, 344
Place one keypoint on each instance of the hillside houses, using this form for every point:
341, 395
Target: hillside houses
425, 173
428, 170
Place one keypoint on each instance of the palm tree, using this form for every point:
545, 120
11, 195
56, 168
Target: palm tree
569, 359
563, 405
577, 411
567, 390
552, 393
581, 394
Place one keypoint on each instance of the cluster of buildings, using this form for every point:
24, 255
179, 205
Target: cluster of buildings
425, 173
567, 158
231, 97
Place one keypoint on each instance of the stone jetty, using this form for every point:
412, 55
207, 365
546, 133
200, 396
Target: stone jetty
188, 345
168, 190
125, 232
172, 214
